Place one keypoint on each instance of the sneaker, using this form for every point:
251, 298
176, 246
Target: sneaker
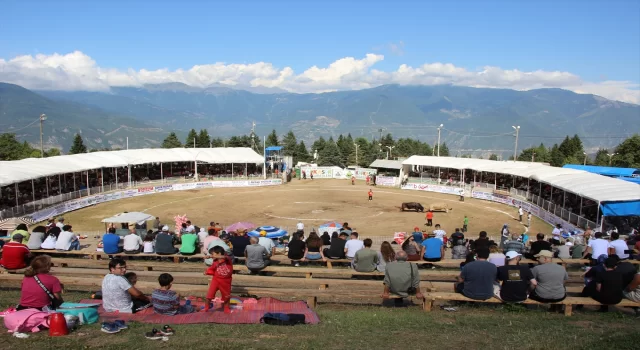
153, 335
109, 327
297, 265
167, 330
120, 324
8, 311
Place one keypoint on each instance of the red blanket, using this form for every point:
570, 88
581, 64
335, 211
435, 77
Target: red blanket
250, 313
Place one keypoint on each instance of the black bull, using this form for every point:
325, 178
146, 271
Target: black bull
412, 206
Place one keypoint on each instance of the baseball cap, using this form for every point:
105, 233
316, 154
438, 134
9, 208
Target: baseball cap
512, 254
165, 228
544, 253
17, 237
224, 235
569, 244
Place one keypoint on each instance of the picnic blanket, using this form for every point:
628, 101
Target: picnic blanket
249, 314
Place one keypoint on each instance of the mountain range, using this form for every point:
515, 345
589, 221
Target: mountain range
473, 118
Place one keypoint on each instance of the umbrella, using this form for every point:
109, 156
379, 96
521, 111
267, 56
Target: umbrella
10, 224
331, 224
240, 226
272, 232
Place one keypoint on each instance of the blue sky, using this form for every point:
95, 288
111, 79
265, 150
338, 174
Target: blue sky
595, 40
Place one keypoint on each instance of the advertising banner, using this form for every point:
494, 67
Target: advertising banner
433, 188
386, 181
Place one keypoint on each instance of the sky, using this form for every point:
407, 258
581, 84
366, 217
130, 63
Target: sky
587, 46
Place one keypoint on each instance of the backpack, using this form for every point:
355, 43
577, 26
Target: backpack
86, 313
280, 319
26, 320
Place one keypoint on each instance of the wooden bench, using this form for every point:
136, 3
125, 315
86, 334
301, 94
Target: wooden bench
53, 252
568, 302
175, 257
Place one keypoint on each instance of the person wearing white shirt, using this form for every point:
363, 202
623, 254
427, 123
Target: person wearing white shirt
67, 240
60, 223
132, 242
556, 233
353, 245
439, 233
520, 213
597, 247
618, 246
300, 226
49, 242
202, 235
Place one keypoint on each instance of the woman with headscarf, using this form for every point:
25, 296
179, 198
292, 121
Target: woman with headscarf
505, 235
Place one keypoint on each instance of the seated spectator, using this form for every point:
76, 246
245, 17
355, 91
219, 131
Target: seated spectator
60, 224
401, 277
477, 277
167, 302
337, 248
353, 245
366, 259
202, 235
412, 249
564, 250
460, 250
618, 246
111, 242
132, 277
51, 240
385, 256
439, 233
239, 241
211, 236
36, 238
515, 279
257, 256
483, 242
267, 243
67, 240
132, 242
334, 236
632, 291
326, 240
21, 230
513, 245
148, 244
626, 269
313, 249
297, 248
456, 236
577, 251
549, 279
15, 255
32, 295
417, 235
595, 248
118, 295
189, 242
51, 223
432, 248
537, 246
495, 256
165, 242
608, 284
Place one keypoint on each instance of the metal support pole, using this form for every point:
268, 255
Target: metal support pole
264, 152
16, 187
231, 171
580, 205
46, 182
161, 174
74, 182
88, 187
33, 191
129, 174
115, 170
59, 185
102, 179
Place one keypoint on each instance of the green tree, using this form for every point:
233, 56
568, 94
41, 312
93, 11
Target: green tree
628, 153
52, 152
493, 156
444, 150
318, 145
171, 141
217, 142
556, 156
203, 140
290, 145
345, 144
330, 154
192, 138
302, 154
12, 149
272, 139
78, 145
601, 157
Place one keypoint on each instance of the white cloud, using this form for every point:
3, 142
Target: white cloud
77, 71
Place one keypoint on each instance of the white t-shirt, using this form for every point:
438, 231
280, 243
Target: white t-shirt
148, 247
49, 243
191, 228
520, 212
556, 232
202, 236
64, 240
300, 226
598, 246
132, 242
115, 294
620, 246
352, 246
440, 234
267, 243
59, 225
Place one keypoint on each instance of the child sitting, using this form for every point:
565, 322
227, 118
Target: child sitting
222, 270
132, 278
167, 302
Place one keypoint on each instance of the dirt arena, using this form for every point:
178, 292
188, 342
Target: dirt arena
312, 202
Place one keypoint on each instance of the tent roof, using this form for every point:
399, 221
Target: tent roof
33, 168
596, 187
605, 170
386, 164
129, 217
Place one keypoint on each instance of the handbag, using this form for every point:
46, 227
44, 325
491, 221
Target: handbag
86, 313
55, 302
281, 319
412, 290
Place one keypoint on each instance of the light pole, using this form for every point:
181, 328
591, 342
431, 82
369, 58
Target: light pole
515, 150
533, 156
585, 158
390, 148
43, 117
439, 128
611, 157
356, 145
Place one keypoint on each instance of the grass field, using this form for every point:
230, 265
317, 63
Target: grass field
369, 327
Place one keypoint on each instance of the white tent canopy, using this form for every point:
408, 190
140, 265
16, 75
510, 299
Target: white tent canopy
33, 168
582, 183
386, 164
131, 217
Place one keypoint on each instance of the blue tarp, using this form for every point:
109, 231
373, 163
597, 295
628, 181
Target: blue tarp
621, 208
635, 180
274, 148
605, 170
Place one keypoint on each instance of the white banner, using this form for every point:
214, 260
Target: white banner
433, 188
386, 181
318, 172
79, 203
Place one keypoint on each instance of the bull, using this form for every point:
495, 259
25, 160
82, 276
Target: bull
412, 206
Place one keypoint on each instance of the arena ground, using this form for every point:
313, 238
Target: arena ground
313, 202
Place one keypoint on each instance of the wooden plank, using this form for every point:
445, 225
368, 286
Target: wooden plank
493, 300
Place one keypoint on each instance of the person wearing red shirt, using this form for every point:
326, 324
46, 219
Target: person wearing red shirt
222, 272
370, 195
429, 218
32, 295
15, 254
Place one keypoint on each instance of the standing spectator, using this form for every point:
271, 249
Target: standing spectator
439, 233
366, 259
352, 246
21, 230
385, 256
222, 271
477, 277
118, 295
514, 245
165, 242
15, 255
313, 250
239, 242
556, 233
549, 279
297, 248
36, 238
515, 279
336, 250
412, 249
465, 224
401, 277
537, 246
429, 217
257, 256
156, 224
520, 213
618, 246
505, 235
111, 242
132, 243
595, 248
432, 249
32, 295
67, 240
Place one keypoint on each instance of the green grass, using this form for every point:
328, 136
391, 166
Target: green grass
369, 327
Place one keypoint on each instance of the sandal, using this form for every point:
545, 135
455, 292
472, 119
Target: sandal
167, 330
155, 335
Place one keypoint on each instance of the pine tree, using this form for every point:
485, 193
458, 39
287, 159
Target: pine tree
272, 139
556, 156
217, 142
628, 153
330, 154
78, 145
302, 155
171, 141
601, 157
318, 145
444, 150
290, 144
203, 140
189, 142
493, 156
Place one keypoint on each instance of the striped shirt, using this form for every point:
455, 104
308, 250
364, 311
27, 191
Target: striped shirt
165, 302
515, 246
